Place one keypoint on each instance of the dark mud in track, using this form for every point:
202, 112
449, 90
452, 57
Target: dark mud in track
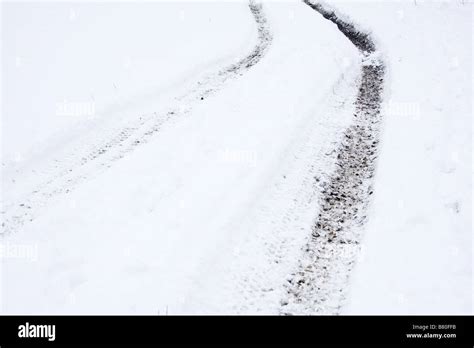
318, 284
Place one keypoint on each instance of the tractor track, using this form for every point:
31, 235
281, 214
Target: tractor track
319, 282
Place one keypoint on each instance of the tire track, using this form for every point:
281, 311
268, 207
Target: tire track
82, 163
318, 284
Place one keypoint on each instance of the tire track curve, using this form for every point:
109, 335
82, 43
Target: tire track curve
318, 284
89, 159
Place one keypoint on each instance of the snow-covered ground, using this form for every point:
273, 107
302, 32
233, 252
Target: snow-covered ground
169, 157
66, 64
417, 250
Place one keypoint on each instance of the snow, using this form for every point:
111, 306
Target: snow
209, 211
417, 250
67, 64
169, 227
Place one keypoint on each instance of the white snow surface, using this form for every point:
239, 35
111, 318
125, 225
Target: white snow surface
115, 58
194, 220
209, 215
417, 251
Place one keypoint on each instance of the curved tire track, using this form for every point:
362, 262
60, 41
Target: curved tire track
85, 162
320, 279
